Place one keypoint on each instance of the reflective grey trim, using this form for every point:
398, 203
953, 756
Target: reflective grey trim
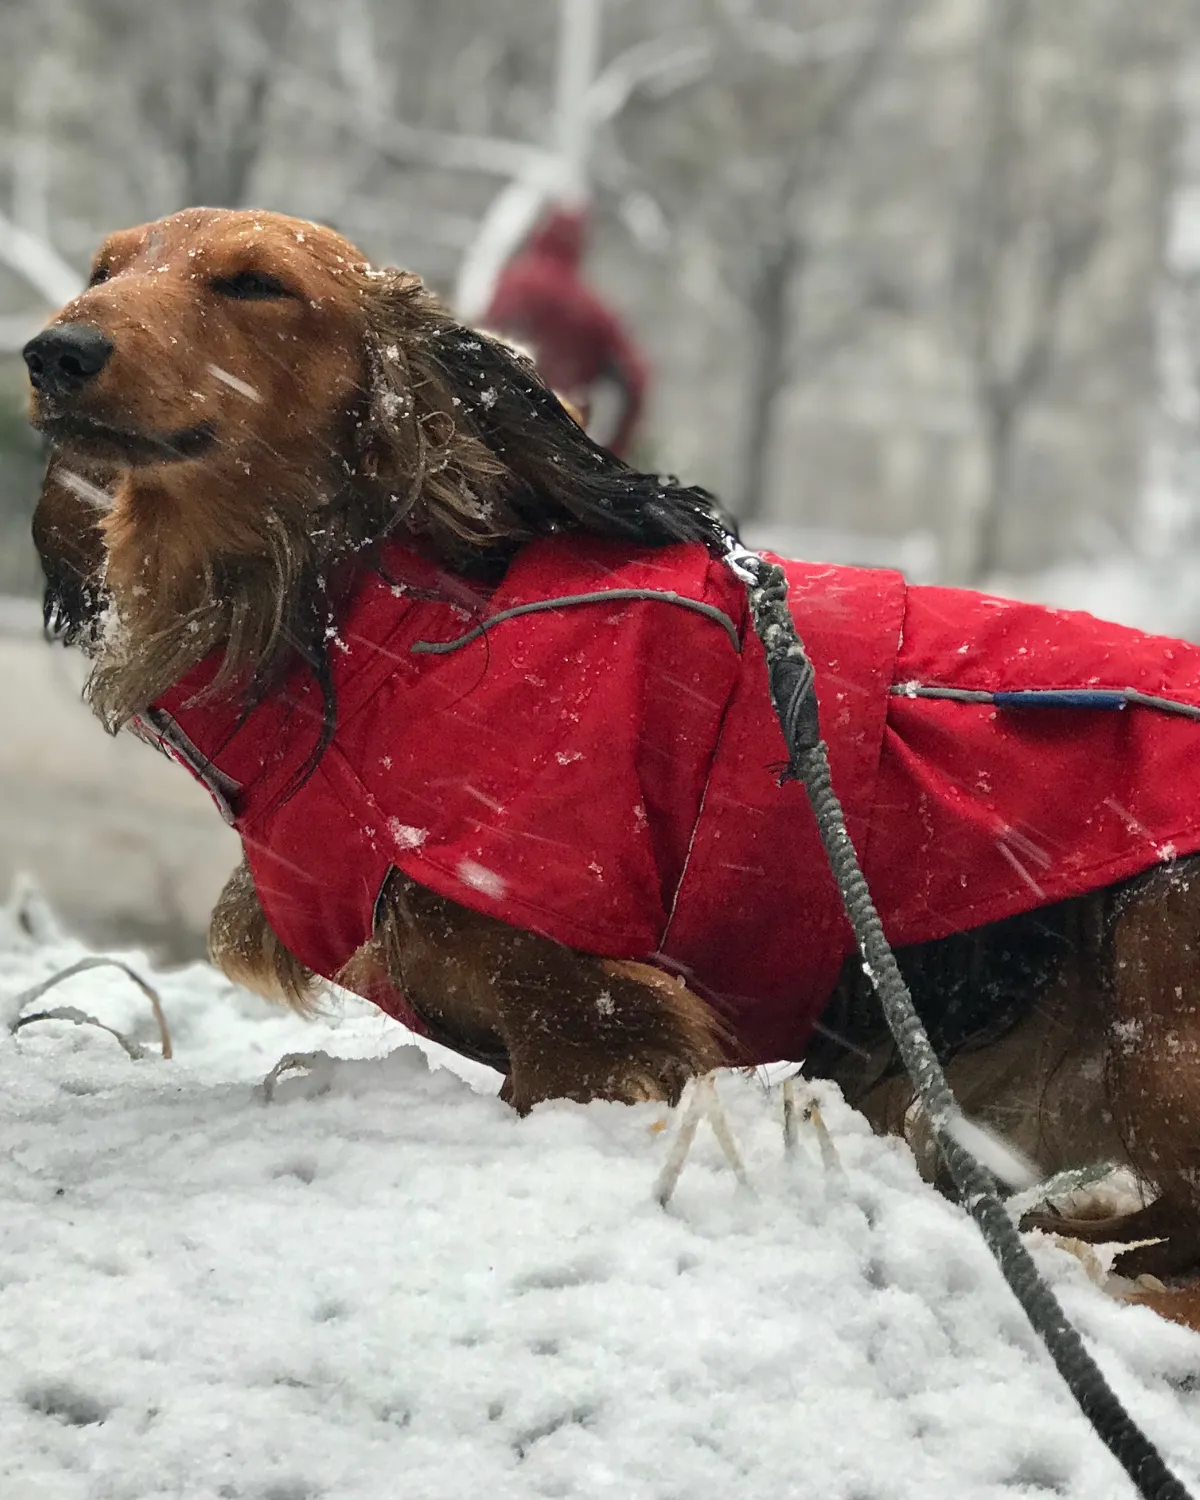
221, 788
954, 695
601, 596
1027, 697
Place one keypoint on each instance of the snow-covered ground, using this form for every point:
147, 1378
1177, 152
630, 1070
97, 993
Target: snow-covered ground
125, 844
397, 1288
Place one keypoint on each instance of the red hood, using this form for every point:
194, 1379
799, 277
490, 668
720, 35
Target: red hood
561, 236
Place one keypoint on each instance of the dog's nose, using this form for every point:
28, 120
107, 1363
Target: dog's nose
62, 360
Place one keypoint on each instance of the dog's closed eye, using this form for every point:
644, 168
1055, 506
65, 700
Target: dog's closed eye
250, 286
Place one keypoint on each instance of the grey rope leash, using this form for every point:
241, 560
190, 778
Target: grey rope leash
792, 688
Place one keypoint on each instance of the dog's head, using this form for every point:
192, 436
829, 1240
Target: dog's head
214, 367
183, 350
264, 406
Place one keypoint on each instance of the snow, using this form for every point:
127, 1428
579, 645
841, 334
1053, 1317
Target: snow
91, 493
480, 878
384, 1283
242, 387
404, 835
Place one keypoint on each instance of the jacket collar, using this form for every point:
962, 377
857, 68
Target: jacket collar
250, 761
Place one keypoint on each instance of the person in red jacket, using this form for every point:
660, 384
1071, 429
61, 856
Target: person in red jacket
579, 345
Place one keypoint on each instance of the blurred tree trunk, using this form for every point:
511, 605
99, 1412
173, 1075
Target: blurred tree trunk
767, 302
1029, 229
204, 92
775, 231
219, 140
999, 452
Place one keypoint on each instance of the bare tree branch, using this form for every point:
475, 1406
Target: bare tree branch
1029, 229
37, 263
414, 145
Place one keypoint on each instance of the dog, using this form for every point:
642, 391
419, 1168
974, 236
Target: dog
486, 708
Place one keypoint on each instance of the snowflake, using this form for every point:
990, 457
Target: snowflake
471, 505
404, 835
395, 405
480, 878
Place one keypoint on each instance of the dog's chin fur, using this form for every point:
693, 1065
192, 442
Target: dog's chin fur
70, 546
457, 448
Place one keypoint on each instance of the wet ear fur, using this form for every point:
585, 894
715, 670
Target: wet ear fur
466, 447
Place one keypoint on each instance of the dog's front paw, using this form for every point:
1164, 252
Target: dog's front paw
662, 1081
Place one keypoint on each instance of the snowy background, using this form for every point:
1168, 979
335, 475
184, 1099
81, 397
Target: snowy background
397, 1287
919, 284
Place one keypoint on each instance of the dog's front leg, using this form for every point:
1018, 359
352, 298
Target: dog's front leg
244, 946
581, 1027
574, 1026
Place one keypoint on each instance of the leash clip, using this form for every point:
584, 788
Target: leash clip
744, 563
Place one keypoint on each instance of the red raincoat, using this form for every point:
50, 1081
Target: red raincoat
605, 773
542, 300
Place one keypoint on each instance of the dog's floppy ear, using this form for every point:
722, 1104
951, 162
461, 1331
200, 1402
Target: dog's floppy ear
66, 534
565, 481
474, 446
418, 468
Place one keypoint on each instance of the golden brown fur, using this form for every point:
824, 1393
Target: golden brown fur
243, 945
570, 1025
258, 444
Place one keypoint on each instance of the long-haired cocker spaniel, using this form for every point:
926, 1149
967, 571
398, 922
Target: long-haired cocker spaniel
486, 709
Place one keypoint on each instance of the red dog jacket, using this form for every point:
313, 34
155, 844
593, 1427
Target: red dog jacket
605, 770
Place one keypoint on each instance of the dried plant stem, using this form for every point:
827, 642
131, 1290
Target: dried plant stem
703, 1104
70, 1013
